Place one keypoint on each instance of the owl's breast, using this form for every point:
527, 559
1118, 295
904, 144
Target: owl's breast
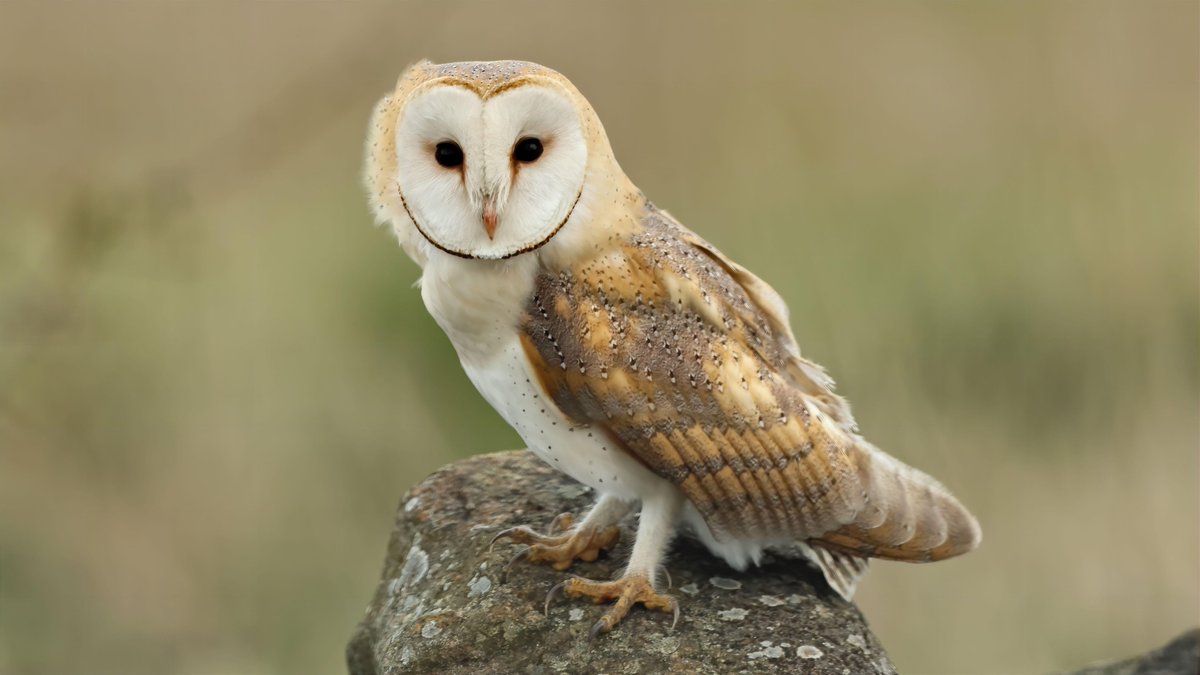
585, 453
480, 305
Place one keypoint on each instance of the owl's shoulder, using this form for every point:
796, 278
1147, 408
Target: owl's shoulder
659, 290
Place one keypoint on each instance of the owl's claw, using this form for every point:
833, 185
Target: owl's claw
552, 596
626, 591
597, 630
499, 535
521, 555
560, 550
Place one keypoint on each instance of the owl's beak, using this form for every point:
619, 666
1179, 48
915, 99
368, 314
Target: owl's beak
489, 216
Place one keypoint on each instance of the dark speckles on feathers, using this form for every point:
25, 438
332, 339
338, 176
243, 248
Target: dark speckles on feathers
658, 332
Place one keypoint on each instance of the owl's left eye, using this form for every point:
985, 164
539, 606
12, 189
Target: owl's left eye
527, 149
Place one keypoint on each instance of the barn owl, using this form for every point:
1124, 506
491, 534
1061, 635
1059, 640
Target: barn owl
627, 351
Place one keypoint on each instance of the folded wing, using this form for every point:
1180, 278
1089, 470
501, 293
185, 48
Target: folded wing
687, 360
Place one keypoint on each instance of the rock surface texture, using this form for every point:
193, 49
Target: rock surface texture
1180, 656
442, 606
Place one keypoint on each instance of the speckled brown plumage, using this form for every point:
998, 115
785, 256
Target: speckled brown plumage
655, 341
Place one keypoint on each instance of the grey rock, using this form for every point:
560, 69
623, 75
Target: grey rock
1180, 656
432, 613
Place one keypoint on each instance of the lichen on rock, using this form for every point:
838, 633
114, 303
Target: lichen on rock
441, 606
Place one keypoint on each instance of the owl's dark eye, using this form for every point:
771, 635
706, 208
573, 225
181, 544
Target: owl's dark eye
448, 154
527, 150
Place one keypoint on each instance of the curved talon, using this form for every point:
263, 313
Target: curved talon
597, 630
675, 619
668, 573
553, 595
500, 535
521, 555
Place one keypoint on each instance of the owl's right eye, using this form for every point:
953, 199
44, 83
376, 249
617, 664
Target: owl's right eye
448, 154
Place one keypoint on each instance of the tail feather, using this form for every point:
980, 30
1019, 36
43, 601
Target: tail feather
906, 515
842, 572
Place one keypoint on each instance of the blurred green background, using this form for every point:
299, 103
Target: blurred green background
216, 379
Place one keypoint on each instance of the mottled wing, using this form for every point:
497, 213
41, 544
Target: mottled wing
770, 309
686, 359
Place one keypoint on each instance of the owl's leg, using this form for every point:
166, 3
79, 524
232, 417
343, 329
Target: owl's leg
658, 521
578, 541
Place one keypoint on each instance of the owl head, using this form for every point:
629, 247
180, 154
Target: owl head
486, 160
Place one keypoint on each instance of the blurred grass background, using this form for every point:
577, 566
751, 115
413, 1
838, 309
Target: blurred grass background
216, 380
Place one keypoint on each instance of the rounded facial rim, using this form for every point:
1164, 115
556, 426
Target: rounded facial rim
471, 256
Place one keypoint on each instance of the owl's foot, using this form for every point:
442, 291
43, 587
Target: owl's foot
627, 591
560, 550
